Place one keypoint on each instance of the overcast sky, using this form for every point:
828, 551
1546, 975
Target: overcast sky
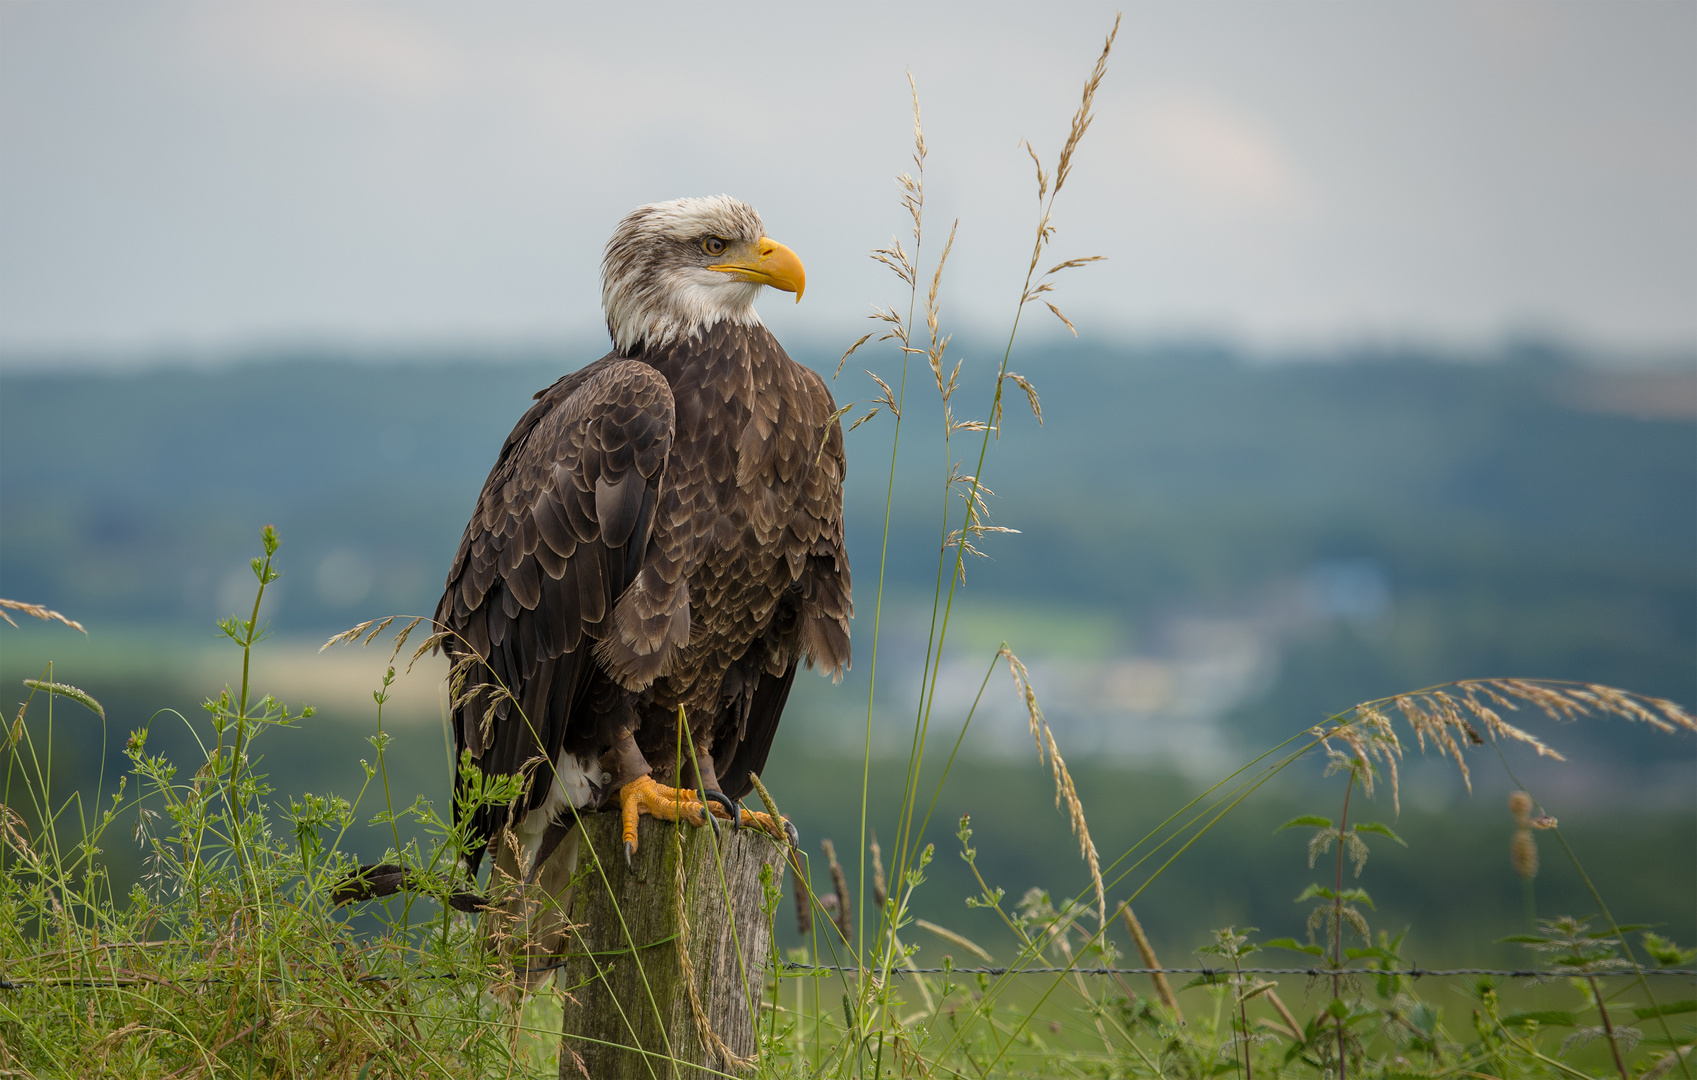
211, 176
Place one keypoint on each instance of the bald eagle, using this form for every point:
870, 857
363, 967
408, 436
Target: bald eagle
660, 540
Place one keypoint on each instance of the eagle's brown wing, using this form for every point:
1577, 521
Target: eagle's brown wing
560, 532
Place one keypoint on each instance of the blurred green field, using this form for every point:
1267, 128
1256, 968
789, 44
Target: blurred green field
1214, 553
1452, 885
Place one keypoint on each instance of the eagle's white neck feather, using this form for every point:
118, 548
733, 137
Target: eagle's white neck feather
686, 302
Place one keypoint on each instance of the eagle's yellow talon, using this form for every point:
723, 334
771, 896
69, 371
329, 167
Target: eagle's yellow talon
644, 796
762, 820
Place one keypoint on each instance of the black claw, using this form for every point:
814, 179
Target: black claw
369, 883
468, 902
724, 800
790, 831
629, 849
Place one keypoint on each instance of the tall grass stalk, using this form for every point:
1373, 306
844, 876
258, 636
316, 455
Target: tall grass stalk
913, 200
901, 329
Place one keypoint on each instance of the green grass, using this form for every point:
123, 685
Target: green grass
225, 956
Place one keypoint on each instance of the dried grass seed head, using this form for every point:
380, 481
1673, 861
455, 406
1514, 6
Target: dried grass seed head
45, 614
1523, 854
1454, 716
1065, 791
1082, 118
1520, 805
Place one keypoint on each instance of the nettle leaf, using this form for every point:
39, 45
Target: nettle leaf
1358, 1015
1214, 979
1382, 830
1294, 946
1667, 953
1523, 939
1424, 1019
1670, 1009
1309, 821
1547, 1017
1372, 951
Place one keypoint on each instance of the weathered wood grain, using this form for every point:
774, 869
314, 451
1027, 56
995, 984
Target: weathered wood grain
629, 1013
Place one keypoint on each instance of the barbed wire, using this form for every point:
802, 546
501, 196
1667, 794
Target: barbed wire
1413, 972
788, 969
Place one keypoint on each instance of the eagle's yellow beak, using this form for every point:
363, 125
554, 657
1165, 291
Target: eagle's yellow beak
771, 263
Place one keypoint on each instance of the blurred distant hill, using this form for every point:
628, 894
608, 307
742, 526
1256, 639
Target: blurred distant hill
1211, 549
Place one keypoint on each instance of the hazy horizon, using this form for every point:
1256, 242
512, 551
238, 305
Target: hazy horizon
575, 350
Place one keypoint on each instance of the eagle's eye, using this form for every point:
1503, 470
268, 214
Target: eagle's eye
713, 245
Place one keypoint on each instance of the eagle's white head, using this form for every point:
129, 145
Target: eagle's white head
675, 268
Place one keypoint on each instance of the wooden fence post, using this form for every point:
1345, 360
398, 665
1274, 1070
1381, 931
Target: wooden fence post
631, 1013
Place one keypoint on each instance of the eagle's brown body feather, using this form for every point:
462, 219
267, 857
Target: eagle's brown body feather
662, 529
